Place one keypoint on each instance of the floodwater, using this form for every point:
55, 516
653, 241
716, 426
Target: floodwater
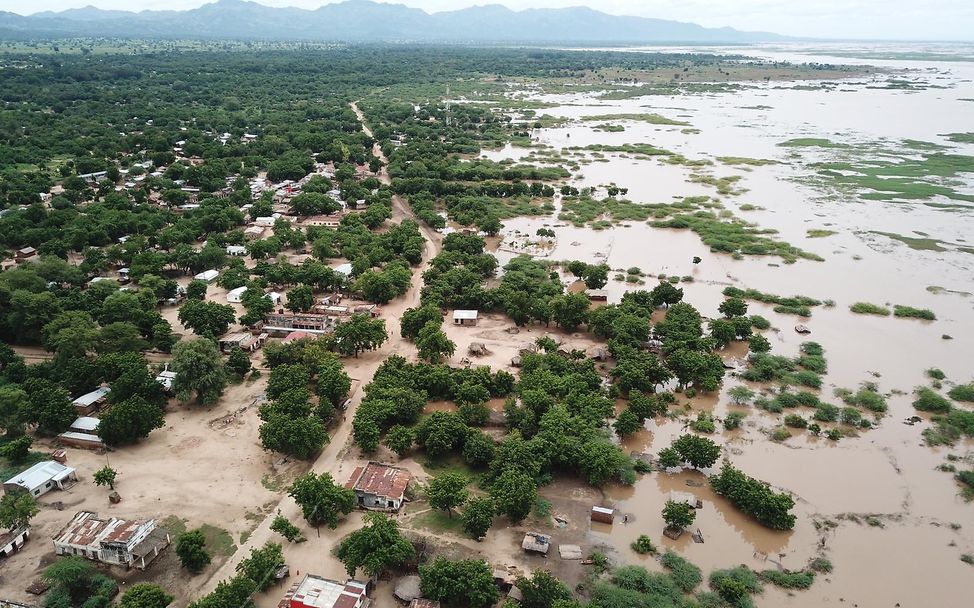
893, 526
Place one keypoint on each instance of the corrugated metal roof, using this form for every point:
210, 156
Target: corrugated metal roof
380, 479
41, 473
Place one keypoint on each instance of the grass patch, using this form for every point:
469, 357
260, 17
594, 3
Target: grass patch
818, 233
745, 161
961, 138
865, 308
793, 305
788, 580
811, 142
686, 575
438, 521
962, 392
899, 310
653, 119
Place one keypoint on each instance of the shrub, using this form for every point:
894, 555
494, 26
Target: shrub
928, 400
643, 545
826, 412
962, 392
795, 421
759, 322
820, 564
735, 585
686, 575
780, 434
926, 314
936, 373
834, 434
733, 420
704, 423
865, 308
789, 580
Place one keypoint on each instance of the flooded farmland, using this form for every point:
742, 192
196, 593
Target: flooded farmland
876, 505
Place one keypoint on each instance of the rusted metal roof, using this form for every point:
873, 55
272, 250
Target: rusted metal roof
379, 479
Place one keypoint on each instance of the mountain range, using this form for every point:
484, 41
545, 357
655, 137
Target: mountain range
368, 21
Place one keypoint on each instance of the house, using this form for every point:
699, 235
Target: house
319, 592
536, 543
235, 296
367, 309
322, 221
119, 542
465, 317
90, 402
345, 269
41, 479
604, 515
242, 340
285, 323
123, 276
274, 296
296, 335
166, 378
266, 221
12, 541
597, 295
379, 487
253, 233
236, 250
27, 253
83, 433
207, 275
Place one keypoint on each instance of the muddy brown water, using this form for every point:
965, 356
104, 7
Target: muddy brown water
900, 526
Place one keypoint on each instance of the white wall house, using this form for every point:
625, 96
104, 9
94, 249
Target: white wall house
42, 478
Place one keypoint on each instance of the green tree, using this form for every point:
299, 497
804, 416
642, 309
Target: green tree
206, 318
196, 290
733, 307
596, 276
698, 452
415, 319
13, 414
542, 590
462, 583
375, 547
285, 528
759, 344
447, 492
478, 517
570, 310
360, 333
238, 363
145, 595
321, 499
16, 510
130, 421
514, 494
740, 394
333, 383
722, 331
120, 337
50, 406
301, 437
262, 564
105, 476
191, 550
678, 515
433, 345
400, 439
238, 591
669, 458
665, 294
300, 299
17, 450
199, 369
627, 423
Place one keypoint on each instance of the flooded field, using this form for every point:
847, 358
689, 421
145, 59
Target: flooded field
893, 525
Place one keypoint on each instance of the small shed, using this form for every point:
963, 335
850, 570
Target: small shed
597, 295
236, 250
465, 317
345, 269
207, 275
11, 541
166, 379
274, 297
536, 543
686, 498
570, 552
25, 253
603, 515
90, 402
235, 340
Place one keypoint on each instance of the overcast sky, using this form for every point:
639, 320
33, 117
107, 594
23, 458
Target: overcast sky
902, 19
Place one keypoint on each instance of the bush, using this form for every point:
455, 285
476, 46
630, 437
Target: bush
962, 392
900, 310
759, 322
733, 420
704, 423
795, 421
789, 580
191, 550
826, 412
686, 575
820, 564
643, 545
754, 497
928, 400
865, 308
735, 585
780, 434
936, 373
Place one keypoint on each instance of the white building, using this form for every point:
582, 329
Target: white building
83, 433
345, 269
207, 275
465, 317
236, 250
42, 478
89, 402
111, 541
274, 296
235, 296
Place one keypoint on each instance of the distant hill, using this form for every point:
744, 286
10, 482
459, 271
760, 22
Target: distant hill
366, 21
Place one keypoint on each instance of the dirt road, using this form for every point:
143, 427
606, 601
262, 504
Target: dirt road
338, 456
